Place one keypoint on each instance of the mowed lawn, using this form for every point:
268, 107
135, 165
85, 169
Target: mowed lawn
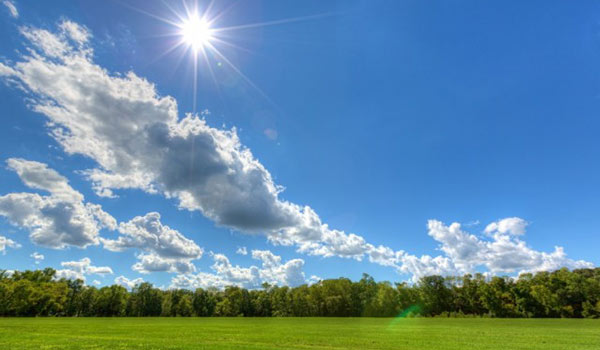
297, 333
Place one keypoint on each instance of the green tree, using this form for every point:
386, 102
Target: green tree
435, 295
111, 301
560, 293
204, 302
146, 300
185, 306
497, 297
167, 305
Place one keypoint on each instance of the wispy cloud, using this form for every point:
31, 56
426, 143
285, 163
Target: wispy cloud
12, 9
37, 257
7, 243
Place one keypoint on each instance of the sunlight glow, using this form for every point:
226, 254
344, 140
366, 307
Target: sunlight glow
204, 41
196, 32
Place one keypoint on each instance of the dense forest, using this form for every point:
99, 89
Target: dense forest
561, 293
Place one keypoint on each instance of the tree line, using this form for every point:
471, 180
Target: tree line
562, 293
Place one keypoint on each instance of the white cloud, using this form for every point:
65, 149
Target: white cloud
58, 220
152, 262
426, 265
6, 71
37, 257
272, 271
69, 275
39, 176
96, 283
99, 270
465, 250
80, 268
504, 253
149, 234
127, 283
7, 243
75, 32
242, 251
138, 140
314, 279
168, 250
12, 9
501, 253
515, 226
85, 266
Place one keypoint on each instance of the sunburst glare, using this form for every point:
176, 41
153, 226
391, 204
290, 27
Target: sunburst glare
204, 41
196, 32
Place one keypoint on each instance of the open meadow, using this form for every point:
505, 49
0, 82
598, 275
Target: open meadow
297, 333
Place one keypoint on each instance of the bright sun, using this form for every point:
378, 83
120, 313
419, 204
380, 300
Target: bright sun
196, 32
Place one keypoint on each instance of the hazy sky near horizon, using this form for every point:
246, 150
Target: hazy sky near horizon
292, 141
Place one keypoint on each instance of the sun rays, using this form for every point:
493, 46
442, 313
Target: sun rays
196, 32
203, 44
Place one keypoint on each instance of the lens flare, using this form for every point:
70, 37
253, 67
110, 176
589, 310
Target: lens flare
406, 313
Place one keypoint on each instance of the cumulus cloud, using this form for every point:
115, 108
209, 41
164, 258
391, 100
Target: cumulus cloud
148, 263
57, 220
139, 141
166, 249
148, 233
503, 253
425, 265
69, 275
127, 283
500, 251
242, 251
37, 257
39, 176
514, 226
80, 268
12, 9
465, 250
272, 271
7, 243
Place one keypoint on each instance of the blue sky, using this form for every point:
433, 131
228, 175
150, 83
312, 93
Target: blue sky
411, 138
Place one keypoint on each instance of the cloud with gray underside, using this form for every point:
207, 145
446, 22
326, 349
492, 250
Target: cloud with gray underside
139, 140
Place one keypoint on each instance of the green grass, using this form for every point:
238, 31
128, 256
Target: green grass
297, 333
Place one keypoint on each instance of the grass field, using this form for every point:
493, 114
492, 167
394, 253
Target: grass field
296, 333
